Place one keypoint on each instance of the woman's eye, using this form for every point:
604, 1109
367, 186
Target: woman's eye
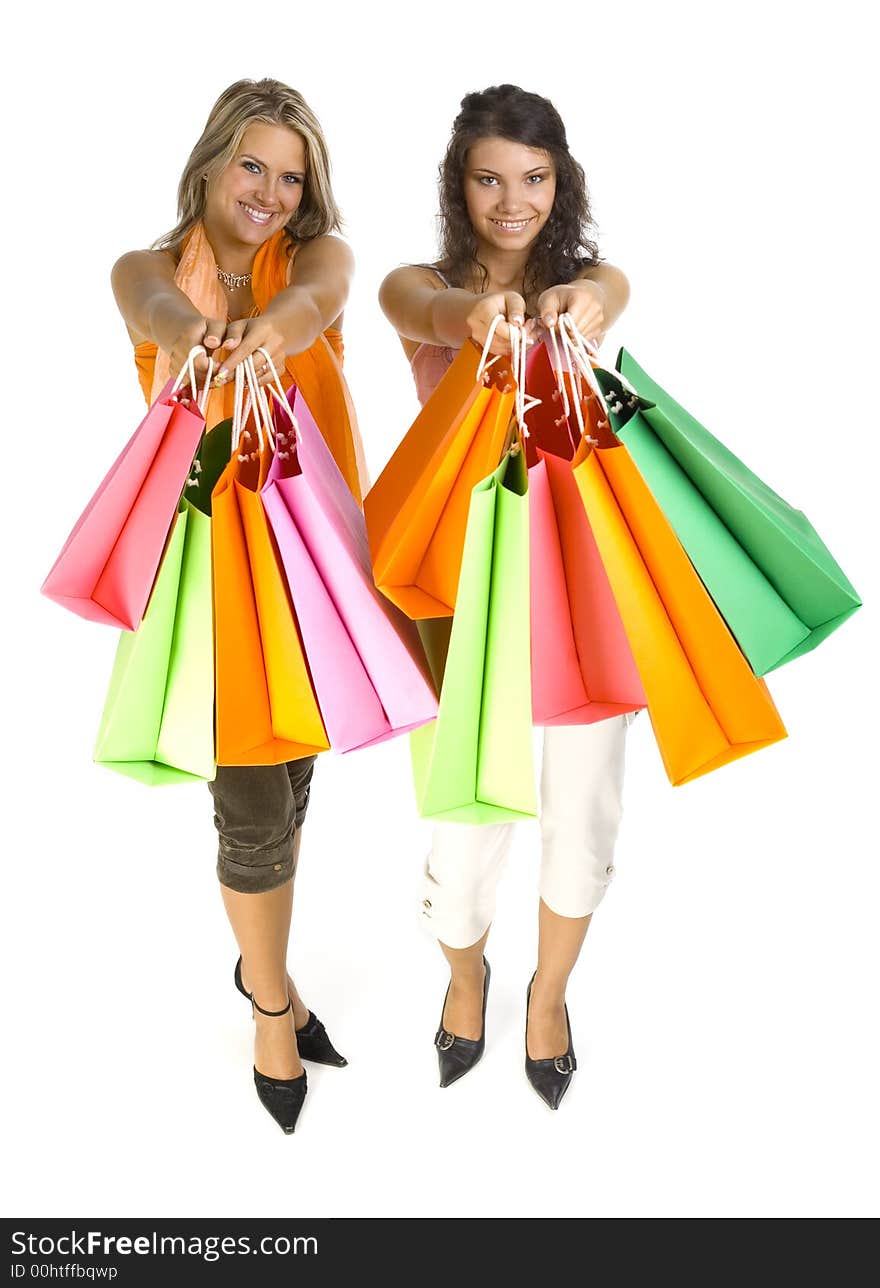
535, 178
292, 179
252, 166
487, 180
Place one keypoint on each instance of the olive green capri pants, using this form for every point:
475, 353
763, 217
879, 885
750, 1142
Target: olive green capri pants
258, 810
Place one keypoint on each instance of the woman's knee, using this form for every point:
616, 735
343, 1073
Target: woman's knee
461, 878
575, 890
257, 812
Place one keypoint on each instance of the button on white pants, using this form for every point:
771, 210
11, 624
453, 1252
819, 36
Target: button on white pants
581, 788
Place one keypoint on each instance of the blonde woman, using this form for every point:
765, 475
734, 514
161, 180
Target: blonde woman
253, 264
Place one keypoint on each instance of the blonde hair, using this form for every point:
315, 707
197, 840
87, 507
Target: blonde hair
238, 107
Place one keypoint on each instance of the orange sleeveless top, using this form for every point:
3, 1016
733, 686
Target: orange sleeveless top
317, 372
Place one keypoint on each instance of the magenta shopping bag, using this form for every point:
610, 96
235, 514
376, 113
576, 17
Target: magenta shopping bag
107, 566
366, 660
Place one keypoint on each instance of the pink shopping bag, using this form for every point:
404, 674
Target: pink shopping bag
582, 665
367, 664
107, 566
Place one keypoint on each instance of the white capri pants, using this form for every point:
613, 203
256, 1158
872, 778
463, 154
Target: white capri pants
581, 807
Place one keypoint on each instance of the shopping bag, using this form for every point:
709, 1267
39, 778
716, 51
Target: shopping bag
706, 706
548, 383
583, 669
474, 763
158, 720
266, 709
775, 582
107, 566
317, 373
417, 510
366, 662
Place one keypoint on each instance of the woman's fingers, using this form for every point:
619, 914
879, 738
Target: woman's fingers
202, 367
507, 305
252, 336
586, 307
501, 339
234, 333
228, 355
214, 333
550, 305
514, 307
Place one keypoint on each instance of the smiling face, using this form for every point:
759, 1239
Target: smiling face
509, 190
260, 188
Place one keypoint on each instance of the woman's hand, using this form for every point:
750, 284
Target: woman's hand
207, 332
243, 338
512, 308
585, 303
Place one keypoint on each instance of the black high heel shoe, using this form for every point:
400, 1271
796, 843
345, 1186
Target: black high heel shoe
550, 1078
282, 1097
457, 1056
311, 1039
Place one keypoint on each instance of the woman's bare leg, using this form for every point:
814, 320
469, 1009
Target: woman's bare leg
559, 944
261, 924
463, 1012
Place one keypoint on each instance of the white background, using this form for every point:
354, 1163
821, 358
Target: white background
724, 1009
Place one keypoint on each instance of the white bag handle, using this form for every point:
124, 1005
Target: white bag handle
523, 402
278, 392
257, 397
583, 352
239, 413
485, 361
242, 406
189, 369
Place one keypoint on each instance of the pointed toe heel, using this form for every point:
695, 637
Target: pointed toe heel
315, 1045
312, 1039
550, 1078
283, 1098
457, 1056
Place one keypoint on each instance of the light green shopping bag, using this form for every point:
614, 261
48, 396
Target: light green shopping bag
774, 581
158, 721
473, 764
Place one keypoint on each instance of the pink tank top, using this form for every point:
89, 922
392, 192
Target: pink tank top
430, 362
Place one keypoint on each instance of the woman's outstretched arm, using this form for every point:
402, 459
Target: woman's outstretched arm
155, 309
595, 301
420, 307
292, 322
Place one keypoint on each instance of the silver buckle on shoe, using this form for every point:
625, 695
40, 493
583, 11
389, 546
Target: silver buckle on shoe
563, 1064
445, 1040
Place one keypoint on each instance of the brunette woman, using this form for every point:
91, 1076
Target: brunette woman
515, 224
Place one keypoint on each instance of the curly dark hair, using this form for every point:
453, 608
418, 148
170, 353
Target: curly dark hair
563, 248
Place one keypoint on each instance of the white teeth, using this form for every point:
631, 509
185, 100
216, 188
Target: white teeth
260, 216
513, 226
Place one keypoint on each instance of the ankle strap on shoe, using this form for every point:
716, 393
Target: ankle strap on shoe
273, 1014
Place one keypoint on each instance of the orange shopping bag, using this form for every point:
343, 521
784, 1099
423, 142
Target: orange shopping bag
706, 706
417, 510
266, 710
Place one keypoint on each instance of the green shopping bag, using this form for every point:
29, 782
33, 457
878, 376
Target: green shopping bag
473, 764
158, 721
774, 581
